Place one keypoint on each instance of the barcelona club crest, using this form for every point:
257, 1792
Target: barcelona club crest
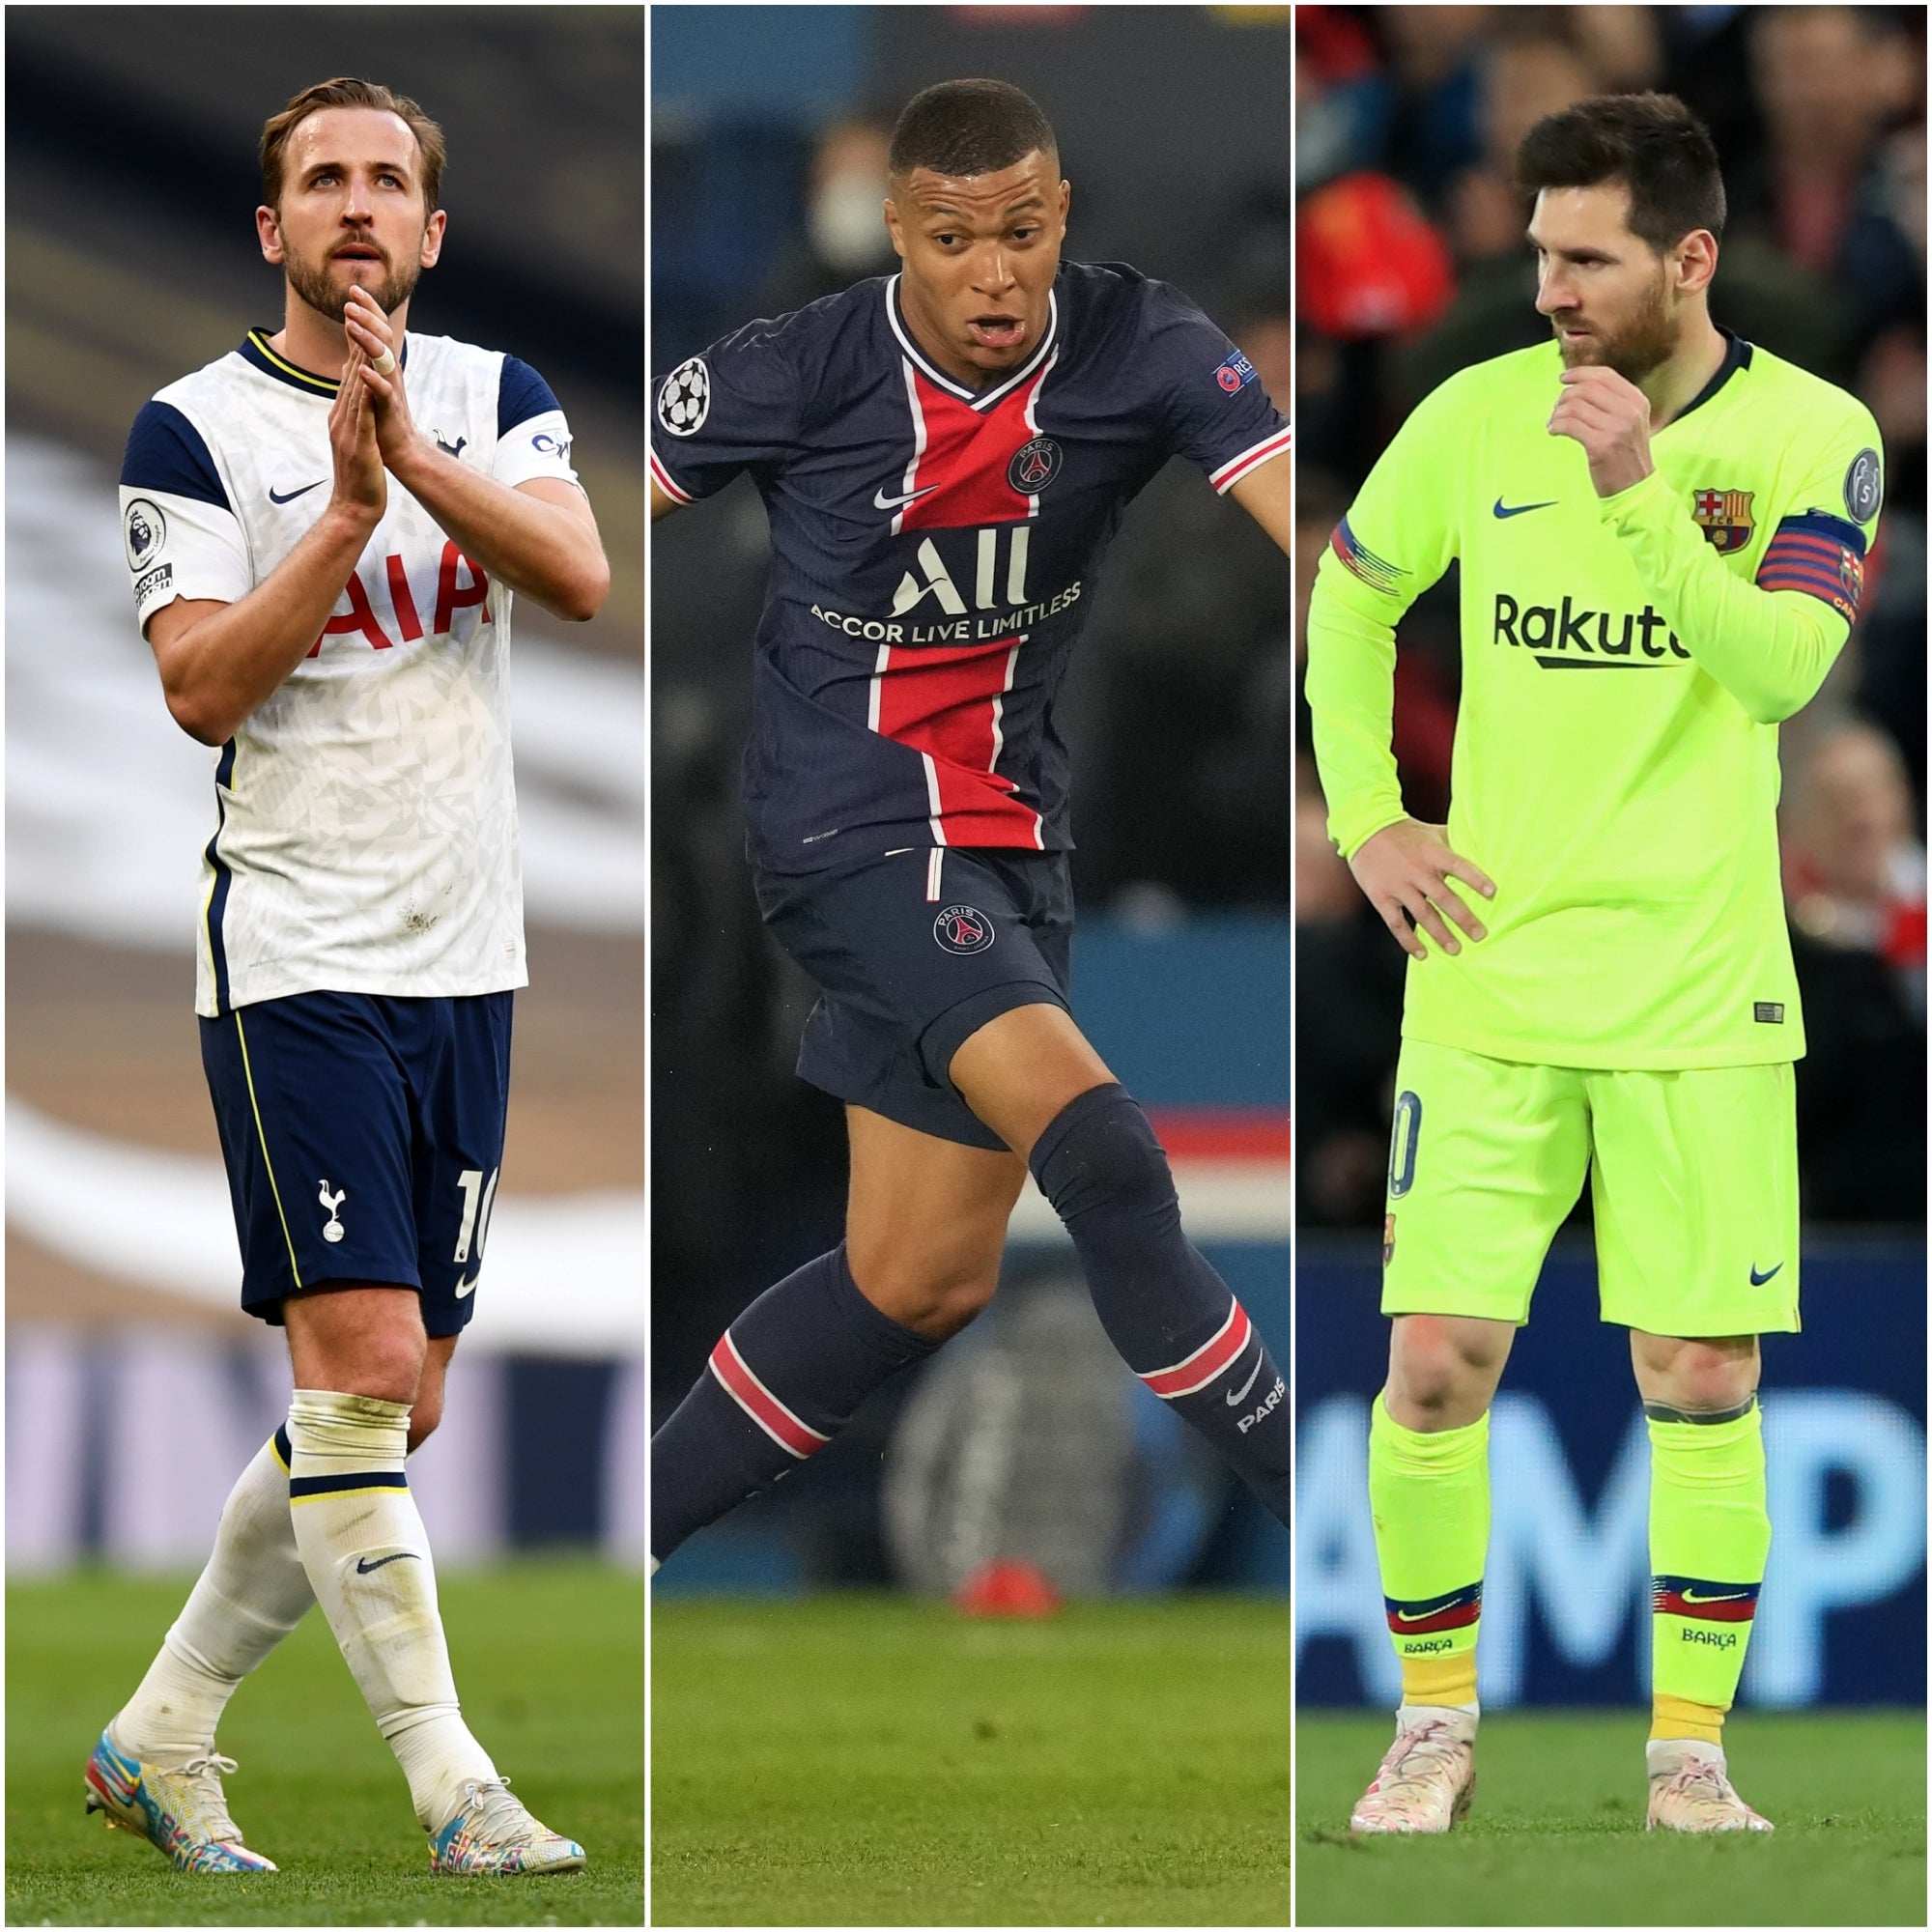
1724, 516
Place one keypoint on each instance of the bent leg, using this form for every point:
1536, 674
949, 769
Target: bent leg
251, 1592
925, 1223
1710, 1531
359, 1354
1034, 1079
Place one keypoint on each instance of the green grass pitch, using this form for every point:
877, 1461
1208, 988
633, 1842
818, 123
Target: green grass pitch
318, 1790
1556, 1834
869, 1760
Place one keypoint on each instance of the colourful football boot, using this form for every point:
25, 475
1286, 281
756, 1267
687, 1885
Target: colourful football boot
180, 1812
494, 1832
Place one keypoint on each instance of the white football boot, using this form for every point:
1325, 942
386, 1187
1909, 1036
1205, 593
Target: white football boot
1426, 1778
494, 1832
1690, 1791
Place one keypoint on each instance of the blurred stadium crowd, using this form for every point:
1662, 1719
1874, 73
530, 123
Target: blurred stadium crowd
769, 142
1411, 265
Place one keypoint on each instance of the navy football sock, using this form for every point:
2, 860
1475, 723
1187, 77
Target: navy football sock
1172, 1319
782, 1380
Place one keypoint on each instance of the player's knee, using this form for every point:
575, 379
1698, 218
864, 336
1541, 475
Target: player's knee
1101, 1153
1442, 1374
935, 1299
1699, 1378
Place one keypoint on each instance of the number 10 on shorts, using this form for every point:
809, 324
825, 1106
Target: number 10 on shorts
1403, 1139
477, 1201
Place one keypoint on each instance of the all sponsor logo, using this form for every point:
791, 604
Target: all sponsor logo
964, 928
1724, 516
145, 531
557, 446
1035, 466
685, 400
156, 580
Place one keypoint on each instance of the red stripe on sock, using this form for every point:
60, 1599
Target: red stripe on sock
1214, 1358
760, 1404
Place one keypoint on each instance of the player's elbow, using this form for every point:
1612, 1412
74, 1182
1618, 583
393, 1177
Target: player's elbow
203, 719
578, 595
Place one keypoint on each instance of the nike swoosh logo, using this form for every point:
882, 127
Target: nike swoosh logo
1729, 1597
1241, 1395
881, 501
1759, 1280
1521, 509
294, 494
363, 1566
464, 1287
1420, 1617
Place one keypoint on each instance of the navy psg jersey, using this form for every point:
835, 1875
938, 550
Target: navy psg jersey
933, 546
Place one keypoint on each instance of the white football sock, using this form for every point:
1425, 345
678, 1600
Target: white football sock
364, 1547
249, 1597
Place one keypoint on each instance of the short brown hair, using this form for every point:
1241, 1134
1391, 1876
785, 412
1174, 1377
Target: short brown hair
1649, 143
344, 91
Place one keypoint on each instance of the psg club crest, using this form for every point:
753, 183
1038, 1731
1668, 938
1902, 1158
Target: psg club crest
1035, 466
685, 400
1724, 516
146, 532
963, 928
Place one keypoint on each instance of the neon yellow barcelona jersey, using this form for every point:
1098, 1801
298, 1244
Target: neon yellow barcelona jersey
1626, 662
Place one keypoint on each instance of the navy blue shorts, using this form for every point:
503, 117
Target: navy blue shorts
912, 953
363, 1136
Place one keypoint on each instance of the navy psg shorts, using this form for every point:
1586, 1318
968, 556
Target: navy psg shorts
362, 1135
912, 953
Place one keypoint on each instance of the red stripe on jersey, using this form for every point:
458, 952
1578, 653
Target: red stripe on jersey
961, 467
760, 1404
949, 705
1214, 1358
1251, 459
676, 493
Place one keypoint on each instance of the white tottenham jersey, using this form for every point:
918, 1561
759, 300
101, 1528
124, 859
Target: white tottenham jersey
366, 820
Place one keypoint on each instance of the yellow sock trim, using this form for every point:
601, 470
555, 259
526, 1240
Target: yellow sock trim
1680, 1718
1439, 1679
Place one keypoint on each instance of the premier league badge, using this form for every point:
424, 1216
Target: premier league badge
145, 531
1035, 466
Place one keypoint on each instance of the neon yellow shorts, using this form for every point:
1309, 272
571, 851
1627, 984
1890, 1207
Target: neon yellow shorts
1694, 1181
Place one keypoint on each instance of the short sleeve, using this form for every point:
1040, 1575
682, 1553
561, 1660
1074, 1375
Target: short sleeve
736, 407
1217, 411
179, 531
532, 433
1828, 523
